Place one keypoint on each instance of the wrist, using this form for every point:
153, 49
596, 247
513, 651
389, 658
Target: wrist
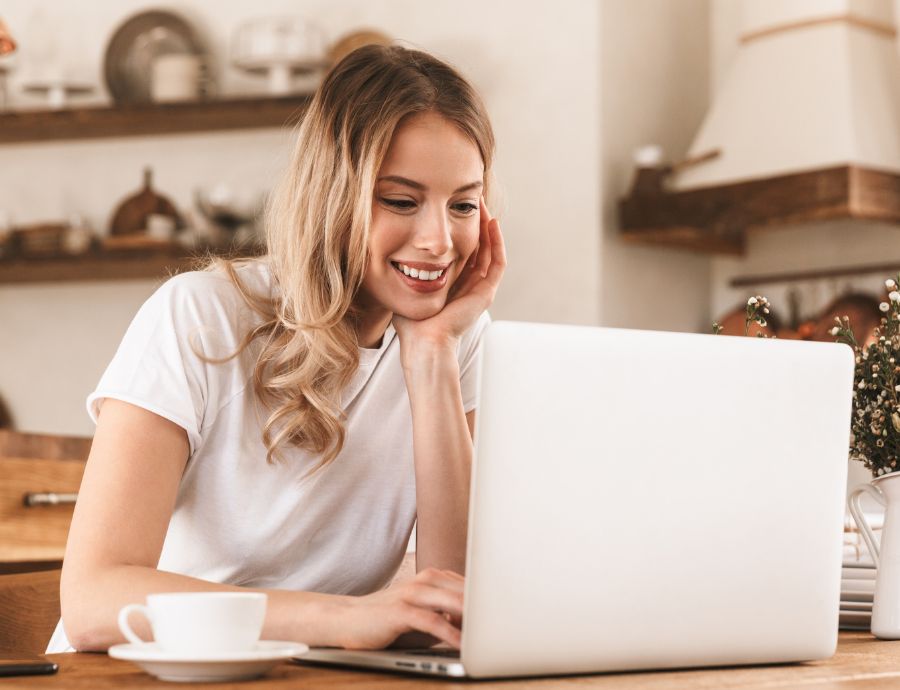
425, 358
337, 611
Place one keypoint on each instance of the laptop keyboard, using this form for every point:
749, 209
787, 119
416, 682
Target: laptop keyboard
441, 652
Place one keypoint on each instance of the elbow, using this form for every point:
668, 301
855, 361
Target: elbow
85, 640
82, 629
82, 634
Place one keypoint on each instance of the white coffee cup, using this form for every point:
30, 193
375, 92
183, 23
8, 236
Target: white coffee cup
200, 622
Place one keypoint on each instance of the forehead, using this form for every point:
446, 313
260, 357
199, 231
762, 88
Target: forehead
428, 147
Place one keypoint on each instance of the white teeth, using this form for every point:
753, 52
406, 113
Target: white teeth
420, 275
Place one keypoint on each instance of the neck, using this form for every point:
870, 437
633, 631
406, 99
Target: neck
371, 327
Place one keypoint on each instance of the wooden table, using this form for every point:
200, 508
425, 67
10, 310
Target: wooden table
861, 662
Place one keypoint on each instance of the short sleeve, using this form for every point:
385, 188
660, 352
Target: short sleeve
162, 364
469, 359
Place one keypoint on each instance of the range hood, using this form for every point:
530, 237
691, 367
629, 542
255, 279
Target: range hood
805, 127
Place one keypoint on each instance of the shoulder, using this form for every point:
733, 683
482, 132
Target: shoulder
211, 288
211, 297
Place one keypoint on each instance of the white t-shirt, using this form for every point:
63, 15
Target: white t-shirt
237, 519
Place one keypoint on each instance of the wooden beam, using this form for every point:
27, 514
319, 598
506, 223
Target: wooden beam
716, 219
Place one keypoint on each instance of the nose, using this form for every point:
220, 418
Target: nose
433, 233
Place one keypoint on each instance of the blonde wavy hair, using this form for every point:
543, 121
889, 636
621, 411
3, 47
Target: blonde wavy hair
317, 228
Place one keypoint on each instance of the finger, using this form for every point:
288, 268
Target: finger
453, 575
484, 241
436, 625
463, 279
498, 251
436, 598
484, 217
484, 280
473, 257
442, 578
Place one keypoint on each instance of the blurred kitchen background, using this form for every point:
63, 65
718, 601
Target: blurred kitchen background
756, 144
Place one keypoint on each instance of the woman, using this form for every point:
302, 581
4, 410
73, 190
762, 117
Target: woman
278, 425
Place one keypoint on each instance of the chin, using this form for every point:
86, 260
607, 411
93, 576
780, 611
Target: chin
419, 312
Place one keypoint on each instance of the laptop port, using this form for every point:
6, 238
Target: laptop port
426, 666
406, 664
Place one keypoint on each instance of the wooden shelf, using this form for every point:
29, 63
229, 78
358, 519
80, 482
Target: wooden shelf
108, 265
716, 219
20, 127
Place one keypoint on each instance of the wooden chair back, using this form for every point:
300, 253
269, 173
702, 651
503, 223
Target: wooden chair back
29, 610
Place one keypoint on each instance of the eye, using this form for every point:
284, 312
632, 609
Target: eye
464, 208
400, 204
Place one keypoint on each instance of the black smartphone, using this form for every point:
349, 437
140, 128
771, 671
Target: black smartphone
18, 664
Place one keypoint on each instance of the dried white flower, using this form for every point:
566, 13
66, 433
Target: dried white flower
894, 296
890, 284
835, 330
752, 301
861, 385
884, 306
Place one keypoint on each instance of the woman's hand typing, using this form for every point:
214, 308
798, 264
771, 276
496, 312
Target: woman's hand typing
430, 603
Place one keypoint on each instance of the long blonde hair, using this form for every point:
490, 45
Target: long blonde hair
317, 228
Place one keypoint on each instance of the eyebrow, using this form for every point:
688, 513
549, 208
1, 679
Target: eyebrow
422, 188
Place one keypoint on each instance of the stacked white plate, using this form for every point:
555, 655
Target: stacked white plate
858, 573
857, 590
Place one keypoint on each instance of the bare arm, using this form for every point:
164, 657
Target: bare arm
125, 502
442, 447
120, 522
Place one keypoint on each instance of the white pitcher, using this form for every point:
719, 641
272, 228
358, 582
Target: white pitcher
886, 606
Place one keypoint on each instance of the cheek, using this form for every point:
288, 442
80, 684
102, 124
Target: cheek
386, 235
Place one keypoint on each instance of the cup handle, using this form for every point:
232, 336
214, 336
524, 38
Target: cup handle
126, 611
860, 519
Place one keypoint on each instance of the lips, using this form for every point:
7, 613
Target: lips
417, 284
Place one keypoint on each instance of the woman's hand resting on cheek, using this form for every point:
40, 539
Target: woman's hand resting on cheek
471, 294
430, 603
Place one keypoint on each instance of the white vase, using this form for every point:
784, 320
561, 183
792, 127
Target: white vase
886, 556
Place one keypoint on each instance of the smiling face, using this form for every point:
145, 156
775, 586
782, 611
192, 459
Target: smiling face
425, 221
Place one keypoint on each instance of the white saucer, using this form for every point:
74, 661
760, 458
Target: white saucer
211, 667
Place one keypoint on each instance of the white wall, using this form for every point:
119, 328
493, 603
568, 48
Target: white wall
536, 64
808, 247
654, 90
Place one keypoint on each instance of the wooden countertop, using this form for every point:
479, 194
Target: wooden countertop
861, 662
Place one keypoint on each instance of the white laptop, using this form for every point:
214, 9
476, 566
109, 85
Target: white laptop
646, 500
